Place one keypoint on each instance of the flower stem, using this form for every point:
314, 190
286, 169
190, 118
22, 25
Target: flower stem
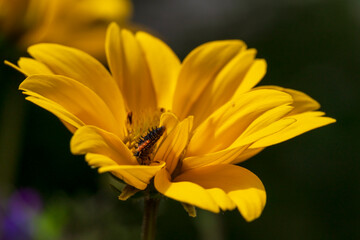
149, 220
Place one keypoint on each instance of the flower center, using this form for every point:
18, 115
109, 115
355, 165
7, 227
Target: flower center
144, 133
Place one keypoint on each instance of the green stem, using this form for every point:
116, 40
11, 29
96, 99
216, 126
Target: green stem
149, 220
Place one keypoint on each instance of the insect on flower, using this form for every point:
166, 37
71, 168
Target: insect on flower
146, 144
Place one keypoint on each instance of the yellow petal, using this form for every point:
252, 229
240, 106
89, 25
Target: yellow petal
29, 66
169, 121
226, 124
222, 88
164, 67
73, 96
129, 68
246, 154
304, 123
65, 116
10, 64
138, 176
90, 139
98, 160
220, 157
82, 67
243, 187
268, 123
174, 144
302, 101
199, 69
185, 191
253, 76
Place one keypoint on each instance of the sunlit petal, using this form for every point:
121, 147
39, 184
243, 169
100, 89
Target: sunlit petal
81, 67
126, 61
73, 96
184, 191
224, 126
164, 67
242, 186
304, 123
199, 69
90, 139
222, 88
302, 102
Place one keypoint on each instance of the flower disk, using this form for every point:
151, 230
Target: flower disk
185, 125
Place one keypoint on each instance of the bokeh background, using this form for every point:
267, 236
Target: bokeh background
312, 181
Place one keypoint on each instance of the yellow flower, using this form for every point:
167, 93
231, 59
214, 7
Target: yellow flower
77, 23
185, 125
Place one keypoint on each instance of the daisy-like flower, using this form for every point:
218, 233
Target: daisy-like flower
77, 23
178, 126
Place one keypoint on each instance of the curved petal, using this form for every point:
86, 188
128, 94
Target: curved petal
129, 68
174, 144
199, 69
302, 101
69, 119
164, 67
266, 124
30, 66
304, 123
90, 139
222, 88
82, 67
220, 157
187, 192
169, 121
225, 125
246, 154
243, 187
99, 160
73, 96
138, 176
253, 76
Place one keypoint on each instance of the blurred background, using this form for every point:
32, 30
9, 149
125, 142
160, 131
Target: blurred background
312, 181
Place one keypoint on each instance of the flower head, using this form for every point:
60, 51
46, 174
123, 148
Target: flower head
184, 124
81, 24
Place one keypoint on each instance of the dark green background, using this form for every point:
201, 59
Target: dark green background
312, 181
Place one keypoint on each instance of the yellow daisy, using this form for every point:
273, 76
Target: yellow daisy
183, 124
77, 23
